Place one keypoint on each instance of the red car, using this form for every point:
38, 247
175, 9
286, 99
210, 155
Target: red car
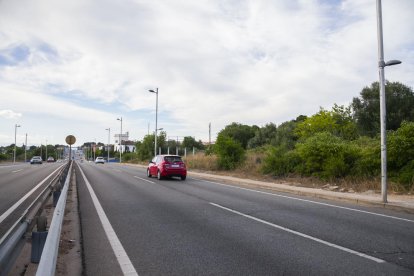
167, 166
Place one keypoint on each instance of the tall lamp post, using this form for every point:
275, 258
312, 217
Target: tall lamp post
109, 137
156, 119
383, 112
15, 133
120, 141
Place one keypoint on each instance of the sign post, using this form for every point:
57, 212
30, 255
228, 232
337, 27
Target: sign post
70, 140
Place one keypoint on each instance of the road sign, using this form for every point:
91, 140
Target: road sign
70, 139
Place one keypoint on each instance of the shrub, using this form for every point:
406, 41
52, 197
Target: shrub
326, 156
280, 162
230, 152
369, 162
401, 146
406, 176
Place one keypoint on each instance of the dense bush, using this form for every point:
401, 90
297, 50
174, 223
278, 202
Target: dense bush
280, 162
368, 163
326, 156
230, 153
401, 154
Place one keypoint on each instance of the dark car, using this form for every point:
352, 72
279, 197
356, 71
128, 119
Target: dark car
36, 160
167, 166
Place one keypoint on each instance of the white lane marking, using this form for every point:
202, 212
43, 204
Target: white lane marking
140, 178
124, 262
301, 234
17, 204
310, 201
17, 171
117, 170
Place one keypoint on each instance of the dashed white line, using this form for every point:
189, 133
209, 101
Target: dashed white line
310, 201
124, 262
301, 234
143, 179
17, 171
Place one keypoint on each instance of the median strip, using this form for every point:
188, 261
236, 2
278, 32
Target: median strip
301, 234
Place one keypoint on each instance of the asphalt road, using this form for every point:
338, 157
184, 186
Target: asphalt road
197, 227
17, 189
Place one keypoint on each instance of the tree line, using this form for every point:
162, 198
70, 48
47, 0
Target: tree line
7, 152
343, 142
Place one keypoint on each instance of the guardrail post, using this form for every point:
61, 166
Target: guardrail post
38, 242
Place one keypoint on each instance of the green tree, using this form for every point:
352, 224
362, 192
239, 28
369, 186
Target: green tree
145, 149
189, 142
338, 122
399, 101
262, 136
240, 133
229, 151
285, 135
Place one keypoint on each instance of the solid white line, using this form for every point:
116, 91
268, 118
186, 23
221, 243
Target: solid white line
144, 179
310, 201
124, 262
301, 234
17, 171
17, 204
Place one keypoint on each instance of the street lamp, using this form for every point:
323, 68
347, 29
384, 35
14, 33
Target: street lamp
15, 133
109, 137
120, 141
383, 112
156, 119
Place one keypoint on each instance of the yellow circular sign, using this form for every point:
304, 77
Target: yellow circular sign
70, 139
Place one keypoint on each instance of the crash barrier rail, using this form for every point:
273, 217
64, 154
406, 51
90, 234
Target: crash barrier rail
47, 264
11, 241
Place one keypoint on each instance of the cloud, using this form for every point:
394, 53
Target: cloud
10, 114
247, 61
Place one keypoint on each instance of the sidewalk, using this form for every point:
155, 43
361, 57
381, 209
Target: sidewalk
395, 202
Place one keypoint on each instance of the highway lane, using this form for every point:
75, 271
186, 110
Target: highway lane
16, 181
198, 227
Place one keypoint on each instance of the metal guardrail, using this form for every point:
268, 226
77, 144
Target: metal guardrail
47, 264
10, 241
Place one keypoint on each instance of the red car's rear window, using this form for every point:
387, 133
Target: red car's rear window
172, 159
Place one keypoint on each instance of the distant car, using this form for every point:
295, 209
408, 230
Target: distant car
99, 160
36, 160
50, 159
167, 166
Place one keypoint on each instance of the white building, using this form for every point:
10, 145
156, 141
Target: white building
127, 146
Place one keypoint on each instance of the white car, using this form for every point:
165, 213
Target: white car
36, 160
99, 160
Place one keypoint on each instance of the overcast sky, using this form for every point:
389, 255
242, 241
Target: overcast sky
74, 67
